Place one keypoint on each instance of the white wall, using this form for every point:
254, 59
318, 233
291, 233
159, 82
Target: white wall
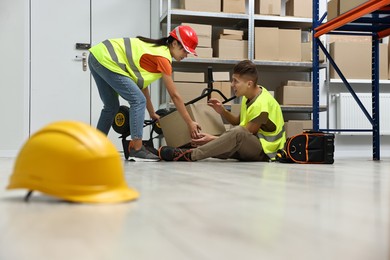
14, 75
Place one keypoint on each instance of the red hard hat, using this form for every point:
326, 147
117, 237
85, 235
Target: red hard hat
186, 36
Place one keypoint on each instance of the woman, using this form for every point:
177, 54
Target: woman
126, 67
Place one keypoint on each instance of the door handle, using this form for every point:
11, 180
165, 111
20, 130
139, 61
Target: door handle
83, 59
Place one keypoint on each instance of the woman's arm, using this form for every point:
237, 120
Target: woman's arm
179, 104
149, 105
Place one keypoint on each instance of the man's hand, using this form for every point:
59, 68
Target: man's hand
217, 105
203, 139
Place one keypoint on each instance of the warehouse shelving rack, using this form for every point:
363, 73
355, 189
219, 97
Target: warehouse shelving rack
171, 14
371, 18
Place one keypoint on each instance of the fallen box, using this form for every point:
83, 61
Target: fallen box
176, 131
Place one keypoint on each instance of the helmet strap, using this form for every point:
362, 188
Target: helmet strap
28, 195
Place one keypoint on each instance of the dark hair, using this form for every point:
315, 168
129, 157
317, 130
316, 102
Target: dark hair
165, 41
247, 69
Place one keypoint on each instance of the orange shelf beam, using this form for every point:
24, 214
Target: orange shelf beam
350, 16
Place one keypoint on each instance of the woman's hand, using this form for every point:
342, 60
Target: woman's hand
216, 105
203, 138
154, 116
194, 128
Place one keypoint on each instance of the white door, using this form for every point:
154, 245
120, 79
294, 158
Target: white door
60, 89
117, 19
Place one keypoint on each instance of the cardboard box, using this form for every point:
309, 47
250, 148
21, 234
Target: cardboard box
270, 7
349, 38
299, 83
383, 61
346, 5
231, 49
204, 30
351, 65
357, 66
295, 127
188, 91
221, 75
388, 59
202, 52
179, 76
204, 41
231, 37
175, 130
231, 32
201, 5
307, 53
266, 43
294, 95
333, 9
225, 88
289, 44
233, 6
299, 8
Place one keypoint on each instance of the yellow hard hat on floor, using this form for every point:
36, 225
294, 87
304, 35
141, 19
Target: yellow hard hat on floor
73, 161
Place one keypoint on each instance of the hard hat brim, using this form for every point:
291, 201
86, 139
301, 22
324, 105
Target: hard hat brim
117, 195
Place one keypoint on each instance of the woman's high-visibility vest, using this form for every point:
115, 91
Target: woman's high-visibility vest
265, 102
123, 56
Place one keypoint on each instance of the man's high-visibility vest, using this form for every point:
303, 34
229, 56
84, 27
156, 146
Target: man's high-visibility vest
265, 102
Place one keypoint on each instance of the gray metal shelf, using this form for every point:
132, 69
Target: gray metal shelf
263, 64
284, 21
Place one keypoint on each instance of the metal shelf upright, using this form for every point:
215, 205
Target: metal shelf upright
370, 18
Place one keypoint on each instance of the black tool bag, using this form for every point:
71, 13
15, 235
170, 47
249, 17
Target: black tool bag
308, 147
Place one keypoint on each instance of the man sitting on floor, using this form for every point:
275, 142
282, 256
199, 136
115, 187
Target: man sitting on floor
258, 132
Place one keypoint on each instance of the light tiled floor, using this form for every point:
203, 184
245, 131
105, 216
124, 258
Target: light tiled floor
211, 210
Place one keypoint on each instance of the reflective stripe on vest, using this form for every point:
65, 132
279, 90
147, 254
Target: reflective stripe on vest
272, 138
129, 56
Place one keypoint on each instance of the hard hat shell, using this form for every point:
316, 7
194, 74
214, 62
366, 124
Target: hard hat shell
73, 161
186, 36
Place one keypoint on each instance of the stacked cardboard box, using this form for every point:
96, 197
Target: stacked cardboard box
268, 7
231, 45
295, 93
357, 66
190, 85
222, 83
176, 130
201, 5
307, 52
347, 5
233, 6
333, 9
272, 43
204, 33
299, 8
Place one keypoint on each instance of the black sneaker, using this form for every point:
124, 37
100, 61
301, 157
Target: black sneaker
168, 153
137, 155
